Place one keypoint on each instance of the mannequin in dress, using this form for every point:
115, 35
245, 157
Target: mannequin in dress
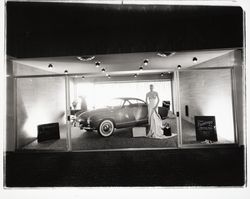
155, 122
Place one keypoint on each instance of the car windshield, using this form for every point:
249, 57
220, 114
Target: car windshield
115, 103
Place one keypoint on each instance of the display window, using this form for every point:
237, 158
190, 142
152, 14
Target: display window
198, 106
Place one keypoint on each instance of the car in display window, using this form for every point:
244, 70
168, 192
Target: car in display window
119, 113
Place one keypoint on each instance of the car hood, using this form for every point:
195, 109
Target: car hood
101, 111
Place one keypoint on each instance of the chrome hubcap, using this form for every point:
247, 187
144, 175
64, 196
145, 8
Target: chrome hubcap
106, 128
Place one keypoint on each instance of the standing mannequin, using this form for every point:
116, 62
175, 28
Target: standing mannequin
152, 99
155, 122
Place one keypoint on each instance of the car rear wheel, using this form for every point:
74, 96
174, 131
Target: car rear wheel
106, 128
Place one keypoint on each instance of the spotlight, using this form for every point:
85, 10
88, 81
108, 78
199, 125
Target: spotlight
141, 68
195, 59
50, 66
97, 64
165, 54
179, 66
85, 58
103, 70
66, 72
162, 74
135, 75
145, 62
79, 58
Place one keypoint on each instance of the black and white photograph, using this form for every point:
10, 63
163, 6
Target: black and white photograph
124, 94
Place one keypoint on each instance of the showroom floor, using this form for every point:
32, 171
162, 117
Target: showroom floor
121, 139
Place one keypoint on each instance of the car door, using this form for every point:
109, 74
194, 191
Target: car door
142, 110
125, 116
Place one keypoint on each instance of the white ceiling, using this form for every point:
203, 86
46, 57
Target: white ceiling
122, 63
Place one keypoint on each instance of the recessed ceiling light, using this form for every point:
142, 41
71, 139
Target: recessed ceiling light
85, 58
109, 76
165, 54
195, 60
179, 66
66, 71
50, 66
135, 75
145, 62
103, 70
162, 74
97, 64
141, 68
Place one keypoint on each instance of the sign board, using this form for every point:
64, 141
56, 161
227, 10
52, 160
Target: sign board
48, 132
205, 128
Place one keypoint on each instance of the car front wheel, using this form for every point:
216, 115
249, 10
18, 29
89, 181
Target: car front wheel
106, 128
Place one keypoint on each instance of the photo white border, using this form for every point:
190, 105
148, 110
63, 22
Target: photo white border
156, 193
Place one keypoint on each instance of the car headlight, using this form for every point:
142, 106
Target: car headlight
79, 120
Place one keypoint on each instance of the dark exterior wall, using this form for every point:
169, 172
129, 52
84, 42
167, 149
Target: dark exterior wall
64, 29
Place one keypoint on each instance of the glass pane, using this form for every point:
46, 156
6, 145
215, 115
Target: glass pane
206, 107
93, 102
41, 113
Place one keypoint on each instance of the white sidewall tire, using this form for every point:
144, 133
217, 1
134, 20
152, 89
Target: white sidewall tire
106, 128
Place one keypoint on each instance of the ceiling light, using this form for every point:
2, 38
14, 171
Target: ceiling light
50, 66
141, 68
85, 58
165, 54
109, 76
179, 66
169, 72
162, 74
195, 60
97, 64
66, 72
135, 75
103, 70
145, 62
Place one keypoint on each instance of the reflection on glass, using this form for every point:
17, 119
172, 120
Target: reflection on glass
206, 93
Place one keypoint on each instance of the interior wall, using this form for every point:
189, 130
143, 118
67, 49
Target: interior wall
208, 93
191, 92
39, 101
199, 87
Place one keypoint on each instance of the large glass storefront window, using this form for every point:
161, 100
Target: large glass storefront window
99, 122
40, 113
206, 106
74, 113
